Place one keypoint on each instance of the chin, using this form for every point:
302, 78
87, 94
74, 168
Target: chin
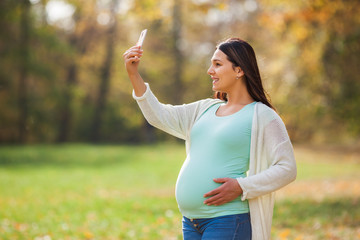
217, 89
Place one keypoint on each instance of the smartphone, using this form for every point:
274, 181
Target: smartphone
141, 38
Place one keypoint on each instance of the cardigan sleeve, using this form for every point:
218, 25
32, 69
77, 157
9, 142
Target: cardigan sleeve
176, 120
274, 163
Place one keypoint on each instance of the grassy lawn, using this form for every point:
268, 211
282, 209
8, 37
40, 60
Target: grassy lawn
127, 192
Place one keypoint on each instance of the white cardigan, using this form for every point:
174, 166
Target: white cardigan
272, 162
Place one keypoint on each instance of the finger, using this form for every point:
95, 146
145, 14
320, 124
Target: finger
136, 47
132, 57
213, 199
132, 54
220, 180
219, 201
213, 192
139, 51
132, 60
133, 50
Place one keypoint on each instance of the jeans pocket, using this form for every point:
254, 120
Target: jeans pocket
243, 228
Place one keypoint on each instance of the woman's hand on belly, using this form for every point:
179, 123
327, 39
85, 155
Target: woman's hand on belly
228, 191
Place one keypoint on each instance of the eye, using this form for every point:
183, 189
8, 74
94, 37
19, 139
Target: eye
217, 64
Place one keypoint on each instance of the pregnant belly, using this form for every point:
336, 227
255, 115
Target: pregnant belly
190, 188
195, 179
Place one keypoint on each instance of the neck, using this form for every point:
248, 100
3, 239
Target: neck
239, 100
239, 96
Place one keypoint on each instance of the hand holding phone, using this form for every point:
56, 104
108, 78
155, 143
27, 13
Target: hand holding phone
141, 38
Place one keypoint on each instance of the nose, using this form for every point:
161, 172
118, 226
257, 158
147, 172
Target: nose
210, 71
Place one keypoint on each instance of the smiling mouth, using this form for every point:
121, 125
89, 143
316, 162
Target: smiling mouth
215, 80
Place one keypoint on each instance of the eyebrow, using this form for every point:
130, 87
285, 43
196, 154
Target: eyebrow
215, 59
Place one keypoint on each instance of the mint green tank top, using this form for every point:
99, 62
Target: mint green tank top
219, 147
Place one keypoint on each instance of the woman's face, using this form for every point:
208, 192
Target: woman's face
222, 72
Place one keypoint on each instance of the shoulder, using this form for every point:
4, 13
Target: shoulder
266, 114
270, 120
264, 109
210, 101
204, 104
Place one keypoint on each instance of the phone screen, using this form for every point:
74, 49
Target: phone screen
141, 38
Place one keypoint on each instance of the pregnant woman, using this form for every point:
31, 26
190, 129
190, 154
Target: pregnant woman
238, 149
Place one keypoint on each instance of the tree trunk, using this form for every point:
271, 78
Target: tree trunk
66, 113
80, 41
23, 72
178, 86
105, 78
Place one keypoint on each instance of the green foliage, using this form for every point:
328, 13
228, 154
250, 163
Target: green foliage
308, 53
322, 39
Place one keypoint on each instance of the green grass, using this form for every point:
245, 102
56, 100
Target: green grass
322, 163
83, 191
127, 192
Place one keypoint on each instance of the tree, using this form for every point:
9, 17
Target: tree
320, 41
178, 85
23, 70
103, 88
80, 41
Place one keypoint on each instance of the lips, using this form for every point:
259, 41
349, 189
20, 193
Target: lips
214, 80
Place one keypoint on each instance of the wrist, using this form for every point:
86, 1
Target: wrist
239, 189
133, 74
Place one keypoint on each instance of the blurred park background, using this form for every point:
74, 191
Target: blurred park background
78, 160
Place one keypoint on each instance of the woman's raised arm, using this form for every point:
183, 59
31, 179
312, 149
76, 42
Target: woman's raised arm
132, 59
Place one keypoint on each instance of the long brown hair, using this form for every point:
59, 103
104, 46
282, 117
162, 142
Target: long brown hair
242, 55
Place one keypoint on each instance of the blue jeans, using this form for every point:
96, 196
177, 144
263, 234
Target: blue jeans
231, 227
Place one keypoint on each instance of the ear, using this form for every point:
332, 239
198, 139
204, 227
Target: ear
239, 72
